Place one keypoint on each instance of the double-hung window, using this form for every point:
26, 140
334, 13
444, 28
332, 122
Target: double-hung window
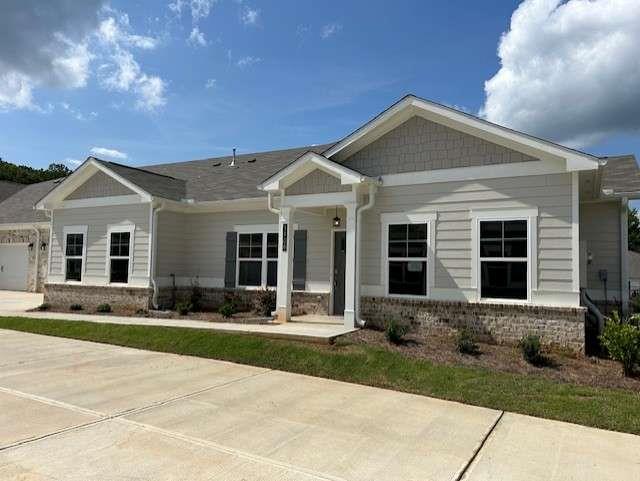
119, 261
74, 255
504, 259
407, 253
258, 259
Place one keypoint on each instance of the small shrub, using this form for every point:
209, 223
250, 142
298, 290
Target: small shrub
227, 310
265, 302
75, 307
532, 350
466, 343
622, 341
395, 332
195, 298
142, 312
104, 308
44, 307
184, 308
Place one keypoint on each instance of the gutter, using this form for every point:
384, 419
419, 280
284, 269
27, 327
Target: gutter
270, 203
154, 253
372, 198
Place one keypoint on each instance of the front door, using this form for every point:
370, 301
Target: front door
339, 261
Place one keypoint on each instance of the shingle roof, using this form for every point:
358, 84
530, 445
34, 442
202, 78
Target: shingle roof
19, 208
7, 189
621, 176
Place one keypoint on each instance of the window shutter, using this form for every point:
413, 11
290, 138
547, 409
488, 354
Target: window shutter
230, 260
299, 260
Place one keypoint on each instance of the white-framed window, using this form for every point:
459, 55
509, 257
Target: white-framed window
407, 254
257, 259
504, 254
120, 253
75, 252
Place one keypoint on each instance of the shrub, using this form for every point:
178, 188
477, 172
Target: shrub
466, 343
195, 298
75, 307
265, 302
104, 308
44, 307
227, 310
622, 341
532, 350
395, 332
184, 308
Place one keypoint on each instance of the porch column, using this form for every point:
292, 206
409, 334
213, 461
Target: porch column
350, 267
285, 264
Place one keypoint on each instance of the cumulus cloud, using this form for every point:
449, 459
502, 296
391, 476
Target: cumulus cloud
197, 38
72, 162
248, 61
570, 70
109, 153
249, 16
116, 30
329, 30
199, 8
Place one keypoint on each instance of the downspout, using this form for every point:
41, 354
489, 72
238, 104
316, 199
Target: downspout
37, 248
372, 198
270, 203
154, 252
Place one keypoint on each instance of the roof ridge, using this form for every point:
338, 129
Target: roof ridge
140, 169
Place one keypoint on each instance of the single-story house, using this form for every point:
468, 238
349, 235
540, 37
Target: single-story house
423, 213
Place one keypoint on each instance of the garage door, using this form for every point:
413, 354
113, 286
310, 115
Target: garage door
14, 265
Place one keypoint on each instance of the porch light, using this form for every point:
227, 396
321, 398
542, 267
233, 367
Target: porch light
336, 219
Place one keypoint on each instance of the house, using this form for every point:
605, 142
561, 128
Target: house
423, 213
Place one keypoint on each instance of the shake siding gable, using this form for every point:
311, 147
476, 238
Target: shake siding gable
317, 182
99, 185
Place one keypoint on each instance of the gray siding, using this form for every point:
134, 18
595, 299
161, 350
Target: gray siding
172, 249
99, 185
317, 182
98, 220
420, 144
600, 229
453, 202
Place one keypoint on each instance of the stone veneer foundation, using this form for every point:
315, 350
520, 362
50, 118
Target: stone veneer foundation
90, 297
500, 323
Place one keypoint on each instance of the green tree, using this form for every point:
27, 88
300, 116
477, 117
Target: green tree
634, 229
23, 174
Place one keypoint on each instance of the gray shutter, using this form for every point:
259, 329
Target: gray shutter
299, 260
230, 260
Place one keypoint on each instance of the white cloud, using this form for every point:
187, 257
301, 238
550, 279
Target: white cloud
109, 153
330, 30
211, 83
16, 91
250, 16
74, 112
248, 61
197, 38
72, 162
115, 30
570, 70
151, 92
199, 8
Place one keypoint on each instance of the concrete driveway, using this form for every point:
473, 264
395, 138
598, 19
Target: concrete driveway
19, 301
83, 411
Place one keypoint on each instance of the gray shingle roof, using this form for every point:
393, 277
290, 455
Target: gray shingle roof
621, 176
19, 207
7, 189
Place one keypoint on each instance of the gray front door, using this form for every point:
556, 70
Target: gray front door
339, 261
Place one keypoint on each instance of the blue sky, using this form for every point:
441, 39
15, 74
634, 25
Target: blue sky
266, 75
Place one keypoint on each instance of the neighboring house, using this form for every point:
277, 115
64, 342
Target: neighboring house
423, 213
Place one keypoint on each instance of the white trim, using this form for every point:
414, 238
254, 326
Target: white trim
150, 246
507, 213
459, 174
113, 229
428, 218
75, 229
50, 244
320, 200
101, 201
264, 230
575, 231
25, 226
256, 228
231, 205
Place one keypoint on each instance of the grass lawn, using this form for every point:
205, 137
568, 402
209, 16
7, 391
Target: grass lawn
614, 409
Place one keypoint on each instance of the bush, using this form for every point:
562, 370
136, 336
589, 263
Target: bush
466, 343
622, 341
104, 308
75, 307
44, 307
227, 310
184, 308
265, 302
195, 299
395, 332
532, 350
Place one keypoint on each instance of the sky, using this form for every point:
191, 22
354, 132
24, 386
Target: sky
144, 82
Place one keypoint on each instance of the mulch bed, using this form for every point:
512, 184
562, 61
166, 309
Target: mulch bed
440, 348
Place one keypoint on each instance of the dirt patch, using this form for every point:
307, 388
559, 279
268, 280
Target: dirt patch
440, 348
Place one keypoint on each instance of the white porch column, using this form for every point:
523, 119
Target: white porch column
285, 264
350, 267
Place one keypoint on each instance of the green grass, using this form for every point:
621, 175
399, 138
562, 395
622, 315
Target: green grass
604, 408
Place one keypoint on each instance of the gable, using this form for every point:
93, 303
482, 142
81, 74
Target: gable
99, 185
317, 182
419, 144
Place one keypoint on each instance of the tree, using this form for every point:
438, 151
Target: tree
633, 223
23, 174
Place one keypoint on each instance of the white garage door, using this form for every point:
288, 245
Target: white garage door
14, 264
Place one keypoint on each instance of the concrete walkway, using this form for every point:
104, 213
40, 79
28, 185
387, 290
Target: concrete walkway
83, 411
16, 301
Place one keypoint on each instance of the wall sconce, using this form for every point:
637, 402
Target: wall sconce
589, 257
43, 246
336, 219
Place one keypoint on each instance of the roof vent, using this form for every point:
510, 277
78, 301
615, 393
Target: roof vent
251, 161
233, 161
217, 164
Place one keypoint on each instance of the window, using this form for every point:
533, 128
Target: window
258, 259
503, 259
74, 254
407, 252
119, 256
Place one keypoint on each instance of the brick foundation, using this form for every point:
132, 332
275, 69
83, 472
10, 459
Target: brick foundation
90, 297
493, 322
